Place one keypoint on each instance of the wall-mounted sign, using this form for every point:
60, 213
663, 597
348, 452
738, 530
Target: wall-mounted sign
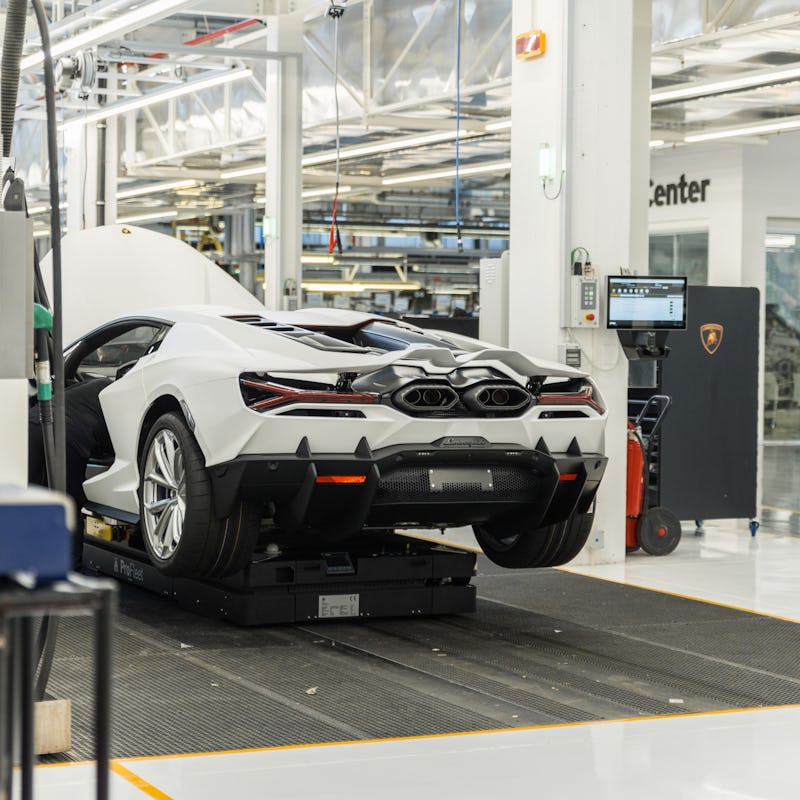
680, 193
530, 44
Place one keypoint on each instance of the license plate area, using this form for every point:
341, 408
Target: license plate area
460, 479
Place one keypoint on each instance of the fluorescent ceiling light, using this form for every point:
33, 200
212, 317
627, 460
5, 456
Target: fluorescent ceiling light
328, 190
390, 146
750, 130
783, 240
730, 84
656, 142
398, 231
304, 259
135, 18
498, 126
418, 177
331, 286
243, 172
158, 96
145, 217
35, 210
154, 187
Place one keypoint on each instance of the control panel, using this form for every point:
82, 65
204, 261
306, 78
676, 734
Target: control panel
585, 302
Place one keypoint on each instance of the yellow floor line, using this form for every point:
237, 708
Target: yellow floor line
277, 748
139, 783
623, 582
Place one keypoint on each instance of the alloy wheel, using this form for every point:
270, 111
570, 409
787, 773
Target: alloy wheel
164, 494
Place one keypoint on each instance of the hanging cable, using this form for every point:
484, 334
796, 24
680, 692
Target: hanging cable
335, 239
58, 480
459, 241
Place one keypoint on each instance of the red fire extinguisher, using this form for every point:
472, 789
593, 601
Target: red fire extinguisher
656, 530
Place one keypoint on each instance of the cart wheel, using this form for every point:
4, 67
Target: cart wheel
754, 526
658, 531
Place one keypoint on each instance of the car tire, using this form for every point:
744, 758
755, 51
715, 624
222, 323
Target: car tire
575, 533
181, 532
508, 546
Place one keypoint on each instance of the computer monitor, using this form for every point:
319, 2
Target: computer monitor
645, 303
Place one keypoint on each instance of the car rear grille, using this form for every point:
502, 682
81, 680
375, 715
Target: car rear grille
413, 483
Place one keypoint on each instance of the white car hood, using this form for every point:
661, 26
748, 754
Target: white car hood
111, 271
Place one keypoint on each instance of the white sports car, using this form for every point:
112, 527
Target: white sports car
234, 427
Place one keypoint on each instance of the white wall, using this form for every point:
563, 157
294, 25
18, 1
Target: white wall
720, 214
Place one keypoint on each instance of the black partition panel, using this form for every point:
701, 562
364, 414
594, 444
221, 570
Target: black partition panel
709, 438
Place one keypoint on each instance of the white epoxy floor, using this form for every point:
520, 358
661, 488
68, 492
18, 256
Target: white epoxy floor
740, 754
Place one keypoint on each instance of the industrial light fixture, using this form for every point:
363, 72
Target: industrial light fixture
309, 259
35, 210
728, 85
547, 165
657, 142
500, 125
243, 172
323, 192
774, 126
135, 18
151, 188
399, 231
780, 240
420, 177
151, 98
355, 288
147, 217
391, 146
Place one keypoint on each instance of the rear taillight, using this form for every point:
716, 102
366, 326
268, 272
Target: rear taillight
582, 395
264, 394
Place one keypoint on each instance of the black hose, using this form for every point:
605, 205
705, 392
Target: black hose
60, 467
59, 477
13, 40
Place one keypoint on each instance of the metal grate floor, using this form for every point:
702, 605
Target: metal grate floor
544, 647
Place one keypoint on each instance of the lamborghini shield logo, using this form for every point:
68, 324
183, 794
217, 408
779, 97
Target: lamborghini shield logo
711, 336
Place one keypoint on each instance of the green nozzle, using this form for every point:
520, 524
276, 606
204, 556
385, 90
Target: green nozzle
42, 318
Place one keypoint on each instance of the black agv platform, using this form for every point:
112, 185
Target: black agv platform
381, 576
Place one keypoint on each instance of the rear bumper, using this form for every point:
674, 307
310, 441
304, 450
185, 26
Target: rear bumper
412, 486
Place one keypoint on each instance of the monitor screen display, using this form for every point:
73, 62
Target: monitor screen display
645, 303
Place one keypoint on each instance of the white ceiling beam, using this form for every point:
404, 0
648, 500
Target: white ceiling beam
771, 23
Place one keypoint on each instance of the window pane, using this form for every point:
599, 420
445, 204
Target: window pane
108, 358
680, 254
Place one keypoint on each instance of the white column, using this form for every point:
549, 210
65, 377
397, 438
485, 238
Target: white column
16, 333
588, 98
80, 146
283, 210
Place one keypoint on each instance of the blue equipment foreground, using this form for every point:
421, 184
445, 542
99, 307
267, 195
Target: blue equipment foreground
35, 533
